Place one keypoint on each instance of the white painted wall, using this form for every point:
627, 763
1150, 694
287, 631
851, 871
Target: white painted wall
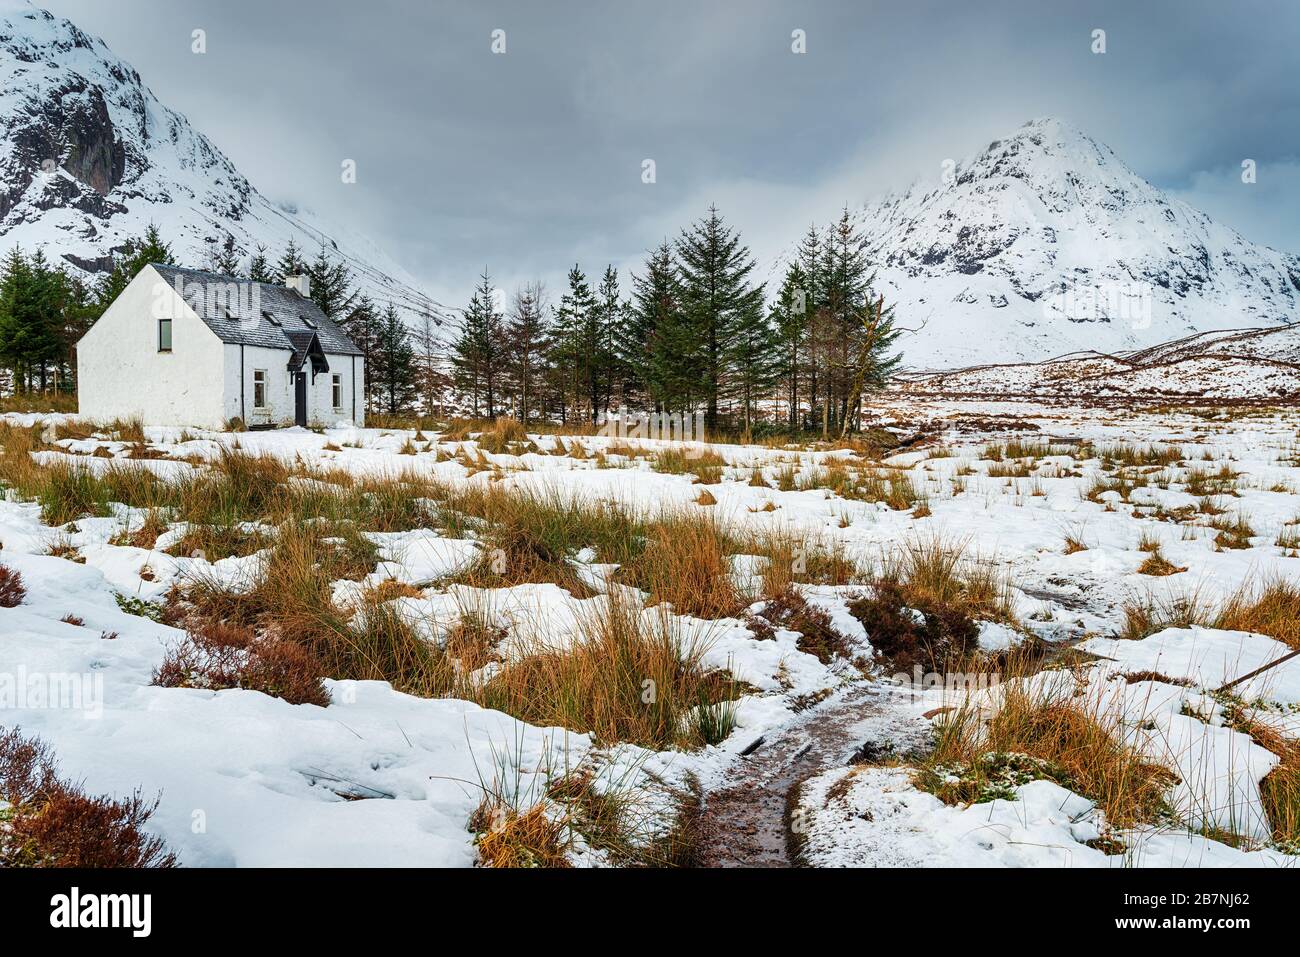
279, 408
121, 373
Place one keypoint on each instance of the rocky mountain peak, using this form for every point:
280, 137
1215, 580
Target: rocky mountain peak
1045, 242
89, 157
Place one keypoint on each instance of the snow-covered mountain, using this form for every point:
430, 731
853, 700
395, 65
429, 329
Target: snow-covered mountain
1046, 243
89, 158
1240, 364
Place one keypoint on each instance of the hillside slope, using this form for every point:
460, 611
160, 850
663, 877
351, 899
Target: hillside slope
89, 157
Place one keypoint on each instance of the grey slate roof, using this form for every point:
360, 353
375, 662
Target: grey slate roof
307, 344
256, 313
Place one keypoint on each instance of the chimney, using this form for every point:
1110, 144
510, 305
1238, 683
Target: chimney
300, 285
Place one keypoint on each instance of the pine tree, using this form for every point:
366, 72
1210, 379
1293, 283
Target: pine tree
77, 311
753, 359
396, 363
651, 326
716, 299
331, 284
479, 353
259, 268
362, 326
135, 255
290, 263
790, 319
608, 316
527, 335
225, 258
46, 346
578, 344
36, 305
811, 267
16, 312
847, 282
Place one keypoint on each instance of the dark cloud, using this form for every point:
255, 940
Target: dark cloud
529, 161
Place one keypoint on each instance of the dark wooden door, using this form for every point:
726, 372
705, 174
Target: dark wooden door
300, 399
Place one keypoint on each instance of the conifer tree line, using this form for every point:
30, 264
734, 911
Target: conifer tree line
694, 330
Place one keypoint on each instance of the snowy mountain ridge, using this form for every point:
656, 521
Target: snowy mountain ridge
89, 157
1046, 242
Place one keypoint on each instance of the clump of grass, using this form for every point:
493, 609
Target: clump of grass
1015, 449
62, 547
1147, 614
629, 677
939, 571
474, 638
1133, 455
506, 435
253, 485
1235, 532
1272, 608
146, 536
70, 492
509, 838
1279, 791
1010, 469
291, 599
1288, 539
58, 402
1054, 733
793, 559
1149, 542
18, 470
1204, 483
390, 589
531, 537
1157, 565
1099, 485
706, 464
684, 562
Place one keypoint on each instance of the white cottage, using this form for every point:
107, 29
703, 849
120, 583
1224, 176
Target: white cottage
192, 348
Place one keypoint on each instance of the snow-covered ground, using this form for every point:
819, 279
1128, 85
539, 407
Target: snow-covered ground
381, 777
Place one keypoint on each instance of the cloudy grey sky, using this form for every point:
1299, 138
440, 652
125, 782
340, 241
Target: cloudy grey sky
529, 161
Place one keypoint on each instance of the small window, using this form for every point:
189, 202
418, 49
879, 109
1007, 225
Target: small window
259, 388
164, 335
308, 323
336, 390
270, 318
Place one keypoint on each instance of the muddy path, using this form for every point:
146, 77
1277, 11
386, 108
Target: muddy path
743, 821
